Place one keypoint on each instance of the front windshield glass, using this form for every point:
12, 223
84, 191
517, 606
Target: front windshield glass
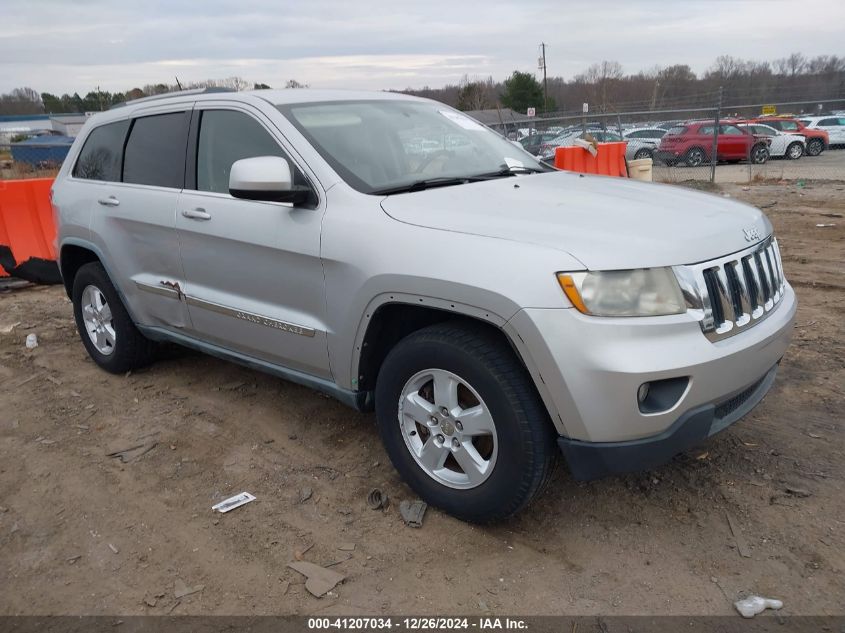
384, 144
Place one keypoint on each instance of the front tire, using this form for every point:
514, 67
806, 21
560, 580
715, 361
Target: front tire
642, 153
106, 329
794, 151
462, 422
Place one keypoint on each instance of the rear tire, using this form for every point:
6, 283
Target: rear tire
815, 146
106, 329
642, 153
471, 435
759, 154
695, 157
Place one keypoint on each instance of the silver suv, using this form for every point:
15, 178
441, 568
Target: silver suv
393, 253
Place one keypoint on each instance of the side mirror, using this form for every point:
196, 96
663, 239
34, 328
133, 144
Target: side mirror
265, 178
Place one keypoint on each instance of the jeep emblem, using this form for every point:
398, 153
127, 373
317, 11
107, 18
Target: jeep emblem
751, 234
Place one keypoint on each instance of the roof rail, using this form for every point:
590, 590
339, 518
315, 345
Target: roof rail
168, 95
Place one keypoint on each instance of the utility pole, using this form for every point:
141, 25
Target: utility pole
545, 81
715, 149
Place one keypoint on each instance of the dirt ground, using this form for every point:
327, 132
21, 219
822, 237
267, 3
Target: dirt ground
83, 533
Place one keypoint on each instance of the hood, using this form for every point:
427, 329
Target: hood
606, 223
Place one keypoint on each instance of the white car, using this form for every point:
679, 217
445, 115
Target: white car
791, 146
642, 141
833, 125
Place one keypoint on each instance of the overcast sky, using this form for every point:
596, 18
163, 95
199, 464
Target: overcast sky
59, 46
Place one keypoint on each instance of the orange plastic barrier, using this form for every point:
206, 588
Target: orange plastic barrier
28, 230
610, 160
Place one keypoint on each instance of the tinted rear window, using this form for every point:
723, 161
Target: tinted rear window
155, 151
101, 155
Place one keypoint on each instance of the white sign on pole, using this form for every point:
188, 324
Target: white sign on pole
585, 108
532, 111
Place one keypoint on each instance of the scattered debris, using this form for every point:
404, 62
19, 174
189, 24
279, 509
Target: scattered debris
346, 547
798, 492
305, 494
300, 553
753, 605
7, 329
150, 601
819, 226
21, 383
832, 215
133, 452
377, 500
72, 559
413, 512
31, 341
233, 502
180, 589
319, 580
55, 381
339, 561
741, 545
113, 549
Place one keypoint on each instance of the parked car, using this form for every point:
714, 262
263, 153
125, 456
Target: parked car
492, 310
547, 150
817, 140
833, 125
692, 144
642, 142
533, 142
781, 145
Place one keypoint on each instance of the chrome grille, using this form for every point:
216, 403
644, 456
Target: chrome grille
733, 293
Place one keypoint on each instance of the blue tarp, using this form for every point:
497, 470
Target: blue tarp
42, 150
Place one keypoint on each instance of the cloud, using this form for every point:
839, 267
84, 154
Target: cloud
58, 46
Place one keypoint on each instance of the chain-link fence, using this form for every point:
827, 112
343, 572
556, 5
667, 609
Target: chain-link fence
41, 159
718, 144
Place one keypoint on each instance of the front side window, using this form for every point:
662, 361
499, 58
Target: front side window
226, 136
790, 126
101, 155
383, 144
155, 151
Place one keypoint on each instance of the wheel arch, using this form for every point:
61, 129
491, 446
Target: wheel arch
72, 257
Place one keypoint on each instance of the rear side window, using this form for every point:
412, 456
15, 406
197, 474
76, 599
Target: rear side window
731, 130
828, 122
227, 136
101, 155
155, 151
678, 130
706, 130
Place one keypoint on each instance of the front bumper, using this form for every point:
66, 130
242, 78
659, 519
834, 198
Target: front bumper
588, 370
592, 460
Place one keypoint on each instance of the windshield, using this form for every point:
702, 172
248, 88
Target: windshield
384, 144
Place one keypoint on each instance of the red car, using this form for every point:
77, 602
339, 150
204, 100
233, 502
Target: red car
691, 143
817, 140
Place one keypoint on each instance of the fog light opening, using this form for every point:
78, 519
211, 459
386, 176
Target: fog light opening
659, 396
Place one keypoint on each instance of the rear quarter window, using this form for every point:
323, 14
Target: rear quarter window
155, 151
102, 153
678, 130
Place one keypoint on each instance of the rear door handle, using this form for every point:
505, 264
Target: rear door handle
196, 214
111, 201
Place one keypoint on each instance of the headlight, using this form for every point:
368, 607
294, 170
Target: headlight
624, 293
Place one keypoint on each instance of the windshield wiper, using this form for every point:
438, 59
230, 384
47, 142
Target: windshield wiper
511, 170
428, 183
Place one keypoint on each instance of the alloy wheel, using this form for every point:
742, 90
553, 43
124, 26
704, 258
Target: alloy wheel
448, 429
97, 316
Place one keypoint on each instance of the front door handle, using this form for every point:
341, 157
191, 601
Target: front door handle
196, 214
111, 201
